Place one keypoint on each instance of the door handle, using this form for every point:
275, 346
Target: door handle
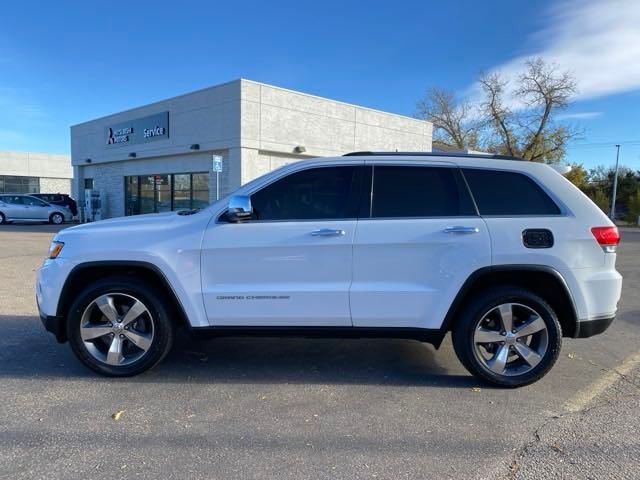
327, 232
461, 229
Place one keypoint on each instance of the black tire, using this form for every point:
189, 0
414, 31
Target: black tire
3, 219
56, 218
159, 311
469, 319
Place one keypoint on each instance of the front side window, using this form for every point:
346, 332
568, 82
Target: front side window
33, 201
499, 192
14, 200
313, 194
405, 191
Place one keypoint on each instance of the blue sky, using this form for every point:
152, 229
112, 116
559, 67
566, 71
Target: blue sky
66, 62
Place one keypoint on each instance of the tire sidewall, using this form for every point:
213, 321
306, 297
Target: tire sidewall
162, 325
464, 335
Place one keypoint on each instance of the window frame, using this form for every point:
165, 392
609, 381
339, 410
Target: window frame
562, 208
360, 175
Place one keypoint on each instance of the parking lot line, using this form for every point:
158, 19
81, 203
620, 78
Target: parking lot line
581, 399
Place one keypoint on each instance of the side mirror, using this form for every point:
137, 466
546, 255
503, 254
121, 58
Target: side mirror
239, 208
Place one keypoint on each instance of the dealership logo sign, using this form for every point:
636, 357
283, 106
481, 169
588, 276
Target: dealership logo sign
120, 135
140, 130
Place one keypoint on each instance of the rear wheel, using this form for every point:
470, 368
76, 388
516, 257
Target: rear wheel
508, 336
56, 218
119, 327
3, 219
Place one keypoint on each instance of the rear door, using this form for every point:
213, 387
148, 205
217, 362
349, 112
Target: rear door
415, 247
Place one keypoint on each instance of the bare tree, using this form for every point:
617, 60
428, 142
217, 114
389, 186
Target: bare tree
518, 120
453, 120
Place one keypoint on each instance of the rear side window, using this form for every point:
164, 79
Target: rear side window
508, 193
401, 191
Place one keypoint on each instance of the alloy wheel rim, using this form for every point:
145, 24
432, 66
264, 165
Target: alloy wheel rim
57, 218
117, 329
511, 339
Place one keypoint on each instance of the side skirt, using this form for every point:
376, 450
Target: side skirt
432, 336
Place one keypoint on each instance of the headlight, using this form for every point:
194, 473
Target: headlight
55, 248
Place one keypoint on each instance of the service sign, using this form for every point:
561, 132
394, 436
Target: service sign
140, 130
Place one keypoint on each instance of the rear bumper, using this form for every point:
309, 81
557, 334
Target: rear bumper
589, 328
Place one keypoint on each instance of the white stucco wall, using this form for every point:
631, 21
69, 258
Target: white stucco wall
33, 164
274, 121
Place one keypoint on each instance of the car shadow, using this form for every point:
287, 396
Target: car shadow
27, 350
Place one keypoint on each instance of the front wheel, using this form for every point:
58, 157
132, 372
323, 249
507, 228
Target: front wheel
3, 219
56, 219
508, 336
120, 327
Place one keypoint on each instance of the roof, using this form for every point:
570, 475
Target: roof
432, 154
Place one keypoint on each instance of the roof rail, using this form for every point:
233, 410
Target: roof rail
432, 154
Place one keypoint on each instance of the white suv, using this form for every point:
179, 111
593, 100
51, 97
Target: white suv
507, 255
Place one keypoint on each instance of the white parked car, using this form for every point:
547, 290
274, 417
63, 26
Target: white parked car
25, 208
507, 255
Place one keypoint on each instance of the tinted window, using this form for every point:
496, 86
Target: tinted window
419, 192
33, 201
508, 193
314, 194
14, 200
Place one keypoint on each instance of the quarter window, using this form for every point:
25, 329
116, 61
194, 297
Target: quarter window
508, 193
401, 191
314, 194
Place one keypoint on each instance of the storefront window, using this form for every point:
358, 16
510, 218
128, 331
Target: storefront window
15, 184
182, 191
132, 195
200, 196
166, 192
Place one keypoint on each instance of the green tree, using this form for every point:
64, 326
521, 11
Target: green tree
633, 208
578, 176
600, 199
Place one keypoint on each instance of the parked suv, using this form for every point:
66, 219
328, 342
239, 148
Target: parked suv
27, 208
61, 199
506, 255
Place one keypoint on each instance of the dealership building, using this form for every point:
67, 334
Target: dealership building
167, 155
28, 172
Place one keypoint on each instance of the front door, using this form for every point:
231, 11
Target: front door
422, 240
291, 264
35, 208
16, 208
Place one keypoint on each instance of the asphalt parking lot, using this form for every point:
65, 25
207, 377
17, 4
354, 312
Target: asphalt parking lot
287, 408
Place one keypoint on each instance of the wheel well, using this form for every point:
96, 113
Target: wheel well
83, 276
546, 283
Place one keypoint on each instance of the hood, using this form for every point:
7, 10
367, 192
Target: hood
135, 223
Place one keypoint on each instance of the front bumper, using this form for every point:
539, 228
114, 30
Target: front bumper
55, 325
589, 328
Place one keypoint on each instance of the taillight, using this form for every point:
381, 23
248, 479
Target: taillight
607, 237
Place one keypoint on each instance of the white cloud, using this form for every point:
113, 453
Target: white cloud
578, 115
597, 41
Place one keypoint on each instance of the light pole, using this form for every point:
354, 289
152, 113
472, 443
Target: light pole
615, 187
